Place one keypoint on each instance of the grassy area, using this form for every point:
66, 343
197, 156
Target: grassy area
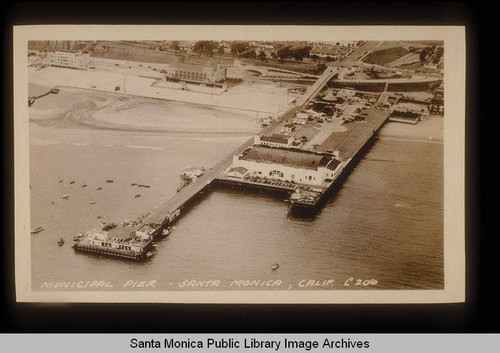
132, 52
385, 56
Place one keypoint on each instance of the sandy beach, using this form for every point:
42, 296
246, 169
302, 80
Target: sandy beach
262, 97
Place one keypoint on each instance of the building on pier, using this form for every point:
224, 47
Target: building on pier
288, 165
274, 140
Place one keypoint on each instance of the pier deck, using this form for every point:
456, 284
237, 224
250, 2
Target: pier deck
357, 134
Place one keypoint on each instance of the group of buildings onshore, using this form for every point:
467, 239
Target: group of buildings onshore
210, 71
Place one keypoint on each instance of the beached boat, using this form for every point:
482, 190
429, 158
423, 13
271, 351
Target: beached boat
133, 184
99, 188
138, 195
109, 181
92, 202
275, 266
84, 185
72, 182
66, 196
37, 230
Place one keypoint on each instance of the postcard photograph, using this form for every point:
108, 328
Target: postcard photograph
239, 164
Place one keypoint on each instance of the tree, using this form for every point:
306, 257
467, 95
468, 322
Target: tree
423, 54
206, 47
250, 54
300, 53
175, 45
238, 48
220, 51
262, 55
284, 52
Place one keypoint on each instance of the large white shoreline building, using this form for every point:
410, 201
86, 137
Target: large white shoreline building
70, 59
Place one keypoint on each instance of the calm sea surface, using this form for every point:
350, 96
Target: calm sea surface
384, 225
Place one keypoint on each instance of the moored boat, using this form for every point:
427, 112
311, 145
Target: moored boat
37, 230
166, 231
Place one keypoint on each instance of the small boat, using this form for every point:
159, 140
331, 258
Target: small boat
275, 266
133, 184
138, 195
78, 236
84, 185
147, 186
109, 181
37, 230
60, 180
99, 188
66, 196
166, 231
61, 242
99, 217
92, 202
72, 182
141, 185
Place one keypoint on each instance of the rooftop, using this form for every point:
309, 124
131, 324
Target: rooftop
277, 138
296, 159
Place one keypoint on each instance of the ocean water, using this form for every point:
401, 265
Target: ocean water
382, 230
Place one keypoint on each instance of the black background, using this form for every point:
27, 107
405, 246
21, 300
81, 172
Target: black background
480, 313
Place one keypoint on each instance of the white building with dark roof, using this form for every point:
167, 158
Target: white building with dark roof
288, 165
274, 140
